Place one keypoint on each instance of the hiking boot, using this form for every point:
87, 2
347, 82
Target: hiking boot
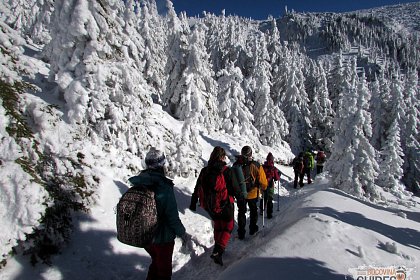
217, 258
214, 253
270, 216
253, 230
217, 254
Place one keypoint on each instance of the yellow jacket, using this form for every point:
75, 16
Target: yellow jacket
258, 174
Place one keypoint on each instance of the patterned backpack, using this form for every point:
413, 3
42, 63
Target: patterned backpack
137, 217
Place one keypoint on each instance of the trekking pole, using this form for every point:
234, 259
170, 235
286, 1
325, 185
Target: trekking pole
263, 208
278, 195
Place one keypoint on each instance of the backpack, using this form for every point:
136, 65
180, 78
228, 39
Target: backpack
298, 164
212, 193
249, 180
137, 217
320, 158
308, 160
239, 180
269, 174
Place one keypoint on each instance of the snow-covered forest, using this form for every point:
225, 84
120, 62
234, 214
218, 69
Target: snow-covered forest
105, 72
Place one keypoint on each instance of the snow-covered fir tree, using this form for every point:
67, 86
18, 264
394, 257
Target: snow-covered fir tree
397, 108
411, 137
352, 163
236, 118
321, 111
151, 28
32, 18
336, 81
296, 109
178, 46
391, 163
269, 119
366, 166
195, 93
377, 108
187, 149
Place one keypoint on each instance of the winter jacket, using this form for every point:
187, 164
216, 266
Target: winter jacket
169, 224
308, 160
258, 175
320, 158
298, 164
271, 172
232, 186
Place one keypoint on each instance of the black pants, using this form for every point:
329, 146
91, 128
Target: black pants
308, 174
298, 176
253, 215
319, 169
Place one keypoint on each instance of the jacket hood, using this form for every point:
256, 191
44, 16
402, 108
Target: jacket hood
149, 177
218, 165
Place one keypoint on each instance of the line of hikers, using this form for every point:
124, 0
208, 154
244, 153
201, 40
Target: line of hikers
243, 182
216, 189
303, 165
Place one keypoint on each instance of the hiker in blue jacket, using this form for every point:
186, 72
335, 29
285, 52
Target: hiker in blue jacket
169, 224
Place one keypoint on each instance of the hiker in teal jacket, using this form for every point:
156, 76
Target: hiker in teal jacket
169, 224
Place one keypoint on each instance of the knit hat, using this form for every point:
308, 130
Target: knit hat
155, 158
270, 157
246, 152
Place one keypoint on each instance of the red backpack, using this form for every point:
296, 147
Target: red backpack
320, 158
212, 193
270, 173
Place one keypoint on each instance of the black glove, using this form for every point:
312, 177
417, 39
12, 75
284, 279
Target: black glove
193, 207
193, 204
187, 244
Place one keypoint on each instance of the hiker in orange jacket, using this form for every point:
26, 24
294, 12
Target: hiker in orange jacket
256, 182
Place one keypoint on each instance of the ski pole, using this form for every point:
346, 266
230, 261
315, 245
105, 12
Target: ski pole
278, 195
263, 208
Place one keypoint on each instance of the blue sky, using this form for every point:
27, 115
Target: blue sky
260, 9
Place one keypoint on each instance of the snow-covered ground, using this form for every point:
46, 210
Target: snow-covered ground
318, 233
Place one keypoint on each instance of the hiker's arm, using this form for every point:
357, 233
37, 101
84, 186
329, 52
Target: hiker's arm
232, 184
262, 179
194, 196
172, 217
277, 174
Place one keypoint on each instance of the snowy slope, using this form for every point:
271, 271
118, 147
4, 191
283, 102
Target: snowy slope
404, 18
319, 233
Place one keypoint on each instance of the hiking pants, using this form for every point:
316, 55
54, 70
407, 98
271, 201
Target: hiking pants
161, 266
253, 213
268, 202
308, 174
241, 216
319, 169
222, 232
298, 176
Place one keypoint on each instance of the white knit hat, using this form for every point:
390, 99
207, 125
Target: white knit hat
155, 158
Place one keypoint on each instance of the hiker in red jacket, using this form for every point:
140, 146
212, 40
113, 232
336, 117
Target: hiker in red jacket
273, 175
320, 160
218, 178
